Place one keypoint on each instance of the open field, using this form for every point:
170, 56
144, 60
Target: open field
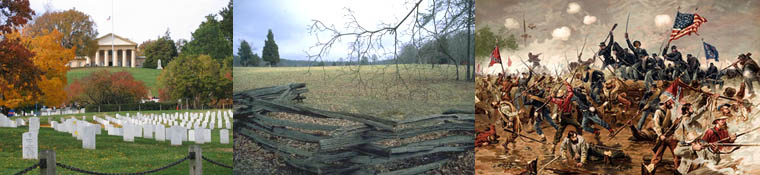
376, 91
111, 155
147, 76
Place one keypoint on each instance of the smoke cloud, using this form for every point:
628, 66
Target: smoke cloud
589, 19
511, 23
573, 8
663, 21
562, 33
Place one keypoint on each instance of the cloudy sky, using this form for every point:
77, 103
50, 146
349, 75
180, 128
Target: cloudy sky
139, 20
561, 26
290, 21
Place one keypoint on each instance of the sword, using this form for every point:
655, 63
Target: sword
626, 22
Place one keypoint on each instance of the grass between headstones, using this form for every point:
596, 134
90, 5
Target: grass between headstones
112, 155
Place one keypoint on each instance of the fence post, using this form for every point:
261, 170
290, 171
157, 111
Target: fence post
47, 162
196, 160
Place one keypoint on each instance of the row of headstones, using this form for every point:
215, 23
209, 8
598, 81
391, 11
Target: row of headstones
7, 122
189, 122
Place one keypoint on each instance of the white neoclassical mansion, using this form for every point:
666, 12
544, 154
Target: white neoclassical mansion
123, 54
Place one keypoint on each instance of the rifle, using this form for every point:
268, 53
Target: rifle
668, 133
608, 35
737, 135
524, 136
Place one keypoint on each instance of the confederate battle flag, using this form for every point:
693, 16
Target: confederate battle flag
495, 57
686, 24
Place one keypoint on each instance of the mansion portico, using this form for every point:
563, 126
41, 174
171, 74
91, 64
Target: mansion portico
122, 54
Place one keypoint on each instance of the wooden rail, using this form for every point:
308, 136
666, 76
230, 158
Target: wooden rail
356, 148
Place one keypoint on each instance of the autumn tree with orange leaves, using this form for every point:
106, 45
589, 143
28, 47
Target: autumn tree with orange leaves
18, 74
50, 58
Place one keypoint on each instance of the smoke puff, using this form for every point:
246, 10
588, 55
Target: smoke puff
589, 19
663, 20
573, 8
562, 33
511, 23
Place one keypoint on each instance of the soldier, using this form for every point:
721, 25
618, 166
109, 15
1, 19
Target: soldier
563, 101
690, 151
576, 148
606, 52
589, 112
718, 134
662, 122
522, 85
536, 96
596, 79
636, 47
510, 121
749, 69
712, 76
693, 64
677, 59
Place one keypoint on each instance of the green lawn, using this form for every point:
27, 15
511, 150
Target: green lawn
421, 90
147, 76
112, 154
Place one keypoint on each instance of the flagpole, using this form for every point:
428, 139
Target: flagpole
113, 51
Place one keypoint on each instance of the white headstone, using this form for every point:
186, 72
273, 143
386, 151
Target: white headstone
224, 136
191, 134
88, 136
29, 145
175, 135
148, 131
129, 132
98, 129
160, 133
34, 124
206, 135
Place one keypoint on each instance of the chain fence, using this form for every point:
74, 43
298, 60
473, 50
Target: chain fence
42, 165
80, 170
35, 166
215, 162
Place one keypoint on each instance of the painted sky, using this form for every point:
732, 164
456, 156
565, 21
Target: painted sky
561, 26
290, 21
140, 20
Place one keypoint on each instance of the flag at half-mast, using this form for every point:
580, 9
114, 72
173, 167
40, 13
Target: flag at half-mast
686, 24
710, 51
495, 57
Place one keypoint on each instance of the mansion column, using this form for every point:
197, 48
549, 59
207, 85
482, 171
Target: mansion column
97, 58
87, 61
132, 53
113, 58
124, 58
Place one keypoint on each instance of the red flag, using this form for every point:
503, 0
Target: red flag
509, 61
675, 90
495, 57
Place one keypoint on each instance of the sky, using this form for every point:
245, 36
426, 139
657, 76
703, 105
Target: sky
289, 21
139, 20
561, 26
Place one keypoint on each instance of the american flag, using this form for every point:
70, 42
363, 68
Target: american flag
686, 24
